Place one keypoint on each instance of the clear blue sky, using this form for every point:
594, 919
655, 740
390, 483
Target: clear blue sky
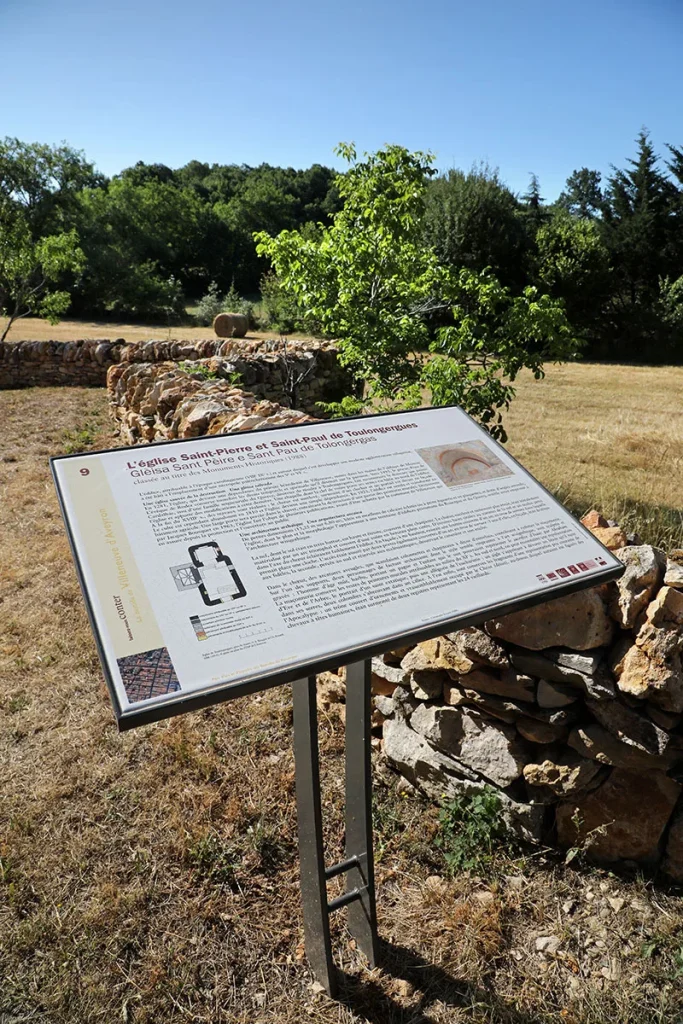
526, 85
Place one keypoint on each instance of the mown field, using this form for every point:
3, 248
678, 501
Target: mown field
34, 329
152, 877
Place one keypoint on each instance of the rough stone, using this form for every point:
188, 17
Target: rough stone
673, 854
504, 710
586, 664
488, 747
555, 695
643, 574
596, 743
664, 719
667, 608
562, 775
479, 647
673, 577
630, 727
633, 808
548, 944
381, 687
439, 776
438, 653
385, 705
598, 684
651, 668
611, 537
426, 684
541, 732
594, 519
392, 673
389, 673
511, 684
579, 621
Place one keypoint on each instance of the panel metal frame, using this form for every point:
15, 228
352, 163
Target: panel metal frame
358, 865
181, 703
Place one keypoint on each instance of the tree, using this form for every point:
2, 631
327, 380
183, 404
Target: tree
472, 220
41, 184
572, 263
637, 215
371, 282
534, 210
144, 245
582, 196
30, 272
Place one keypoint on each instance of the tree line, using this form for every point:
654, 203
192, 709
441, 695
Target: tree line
151, 240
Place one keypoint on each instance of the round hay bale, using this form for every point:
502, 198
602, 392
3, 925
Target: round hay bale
231, 325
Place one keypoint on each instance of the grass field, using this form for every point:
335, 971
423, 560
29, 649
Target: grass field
610, 437
152, 877
34, 329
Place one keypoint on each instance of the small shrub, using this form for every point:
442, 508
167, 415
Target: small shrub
209, 306
279, 310
471, 828
234, 303
212, 859
233, 377
79, 440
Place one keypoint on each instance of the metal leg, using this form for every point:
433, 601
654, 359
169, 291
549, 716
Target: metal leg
311, 850
362, 917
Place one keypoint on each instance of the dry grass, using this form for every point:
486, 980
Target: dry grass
609, 437
35, 329
152, 877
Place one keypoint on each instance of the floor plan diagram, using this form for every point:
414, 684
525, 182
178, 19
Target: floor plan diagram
211, 573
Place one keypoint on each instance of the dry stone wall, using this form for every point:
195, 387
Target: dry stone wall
54, 363
296, 373
572, 710
160, 402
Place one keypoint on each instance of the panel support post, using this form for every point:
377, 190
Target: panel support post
362, 916
311, 849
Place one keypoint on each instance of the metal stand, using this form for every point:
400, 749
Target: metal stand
358, 865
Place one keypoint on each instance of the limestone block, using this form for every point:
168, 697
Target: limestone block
634, 809
426, 684
488, 747
644, 573
667, 608
673, 576
651, 668
542, 732
579, 621
630, 727
511, 684
563, 774
555, 695
612, 537
390, 673
440, 776
597, 683
596, 743
478, 646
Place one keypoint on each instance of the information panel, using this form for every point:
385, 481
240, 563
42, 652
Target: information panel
221, 565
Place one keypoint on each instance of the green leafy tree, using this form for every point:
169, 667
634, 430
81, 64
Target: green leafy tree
30, 273
496, 334
144, 245
41, 185
472, 220
371, 282
582, 195
572, 263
